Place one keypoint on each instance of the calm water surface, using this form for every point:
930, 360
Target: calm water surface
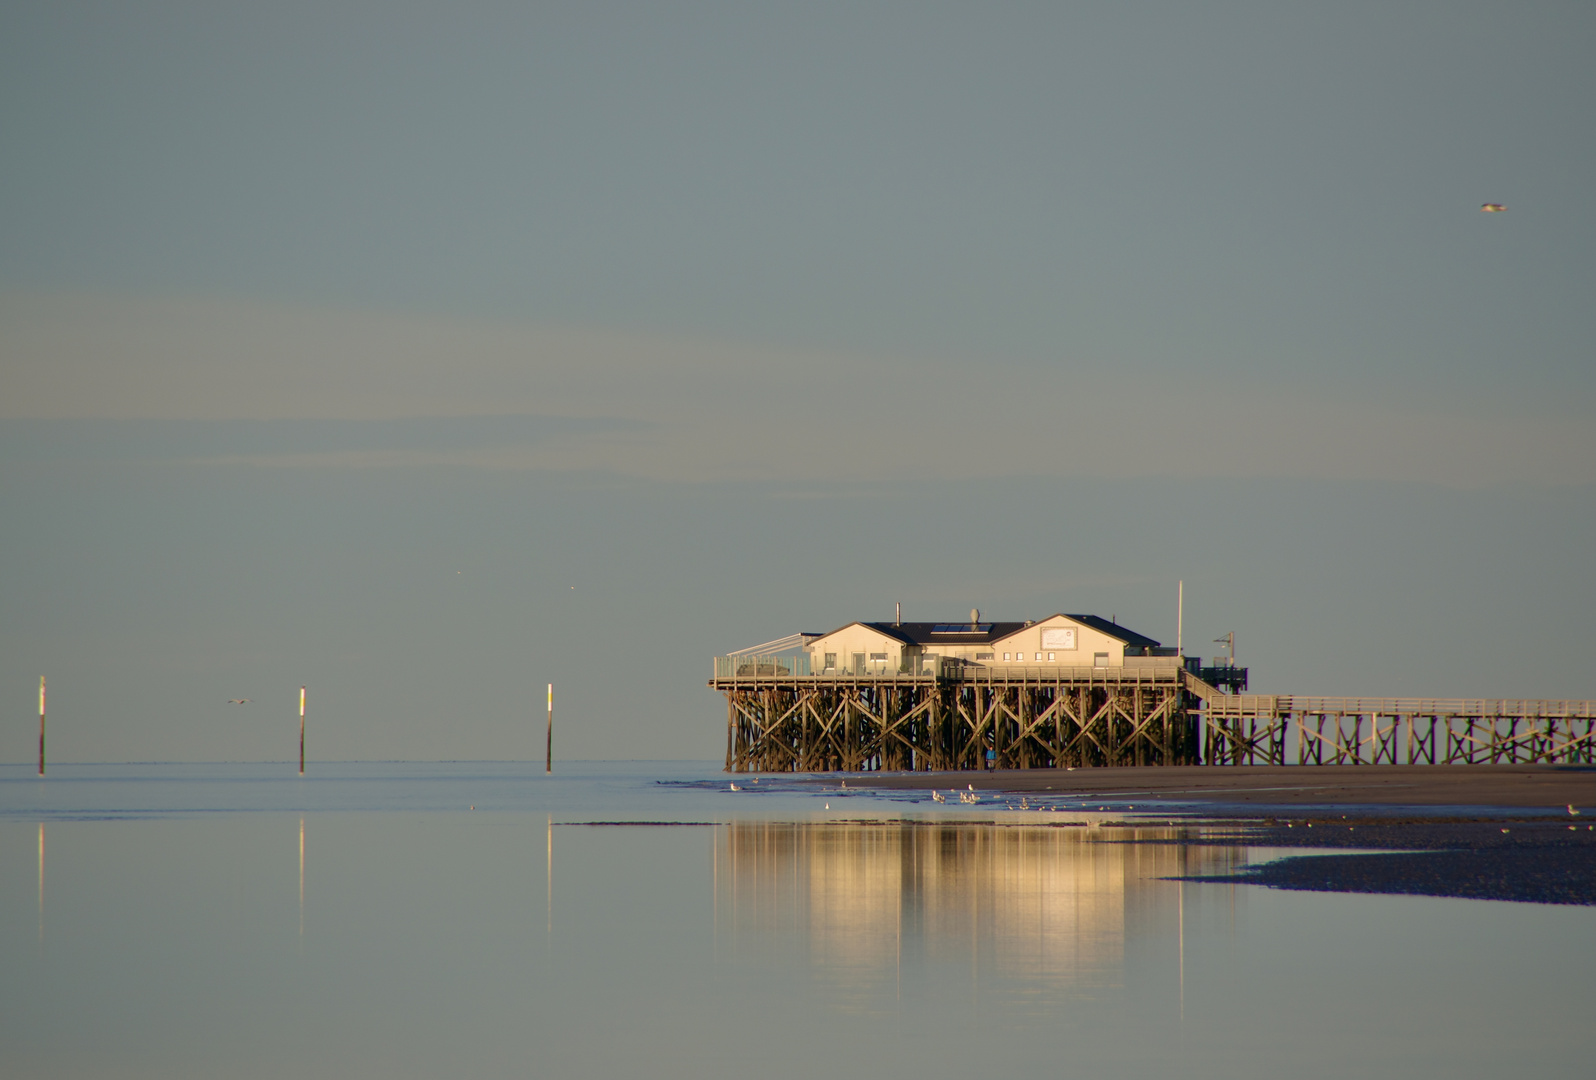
235, 921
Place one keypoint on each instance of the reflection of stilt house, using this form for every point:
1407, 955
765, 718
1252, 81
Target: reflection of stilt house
1053, 906
1079, 690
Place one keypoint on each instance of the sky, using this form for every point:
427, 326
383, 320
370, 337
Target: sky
426, 354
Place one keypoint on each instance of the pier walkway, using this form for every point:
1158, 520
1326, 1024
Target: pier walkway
1272, 729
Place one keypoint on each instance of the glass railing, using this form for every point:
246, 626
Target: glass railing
801, 665
767, 667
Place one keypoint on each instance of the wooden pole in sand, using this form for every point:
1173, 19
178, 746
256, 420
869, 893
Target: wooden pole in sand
548, 744
301, 731
41, 725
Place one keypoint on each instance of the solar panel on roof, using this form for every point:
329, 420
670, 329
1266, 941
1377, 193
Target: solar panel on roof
961, 628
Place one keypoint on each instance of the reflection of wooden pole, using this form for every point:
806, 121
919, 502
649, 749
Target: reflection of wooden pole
548, 744
301, 731
41, 725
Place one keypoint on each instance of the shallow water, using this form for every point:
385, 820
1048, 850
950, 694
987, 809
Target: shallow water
202, 921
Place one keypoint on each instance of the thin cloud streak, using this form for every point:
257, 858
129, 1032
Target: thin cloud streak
672, 409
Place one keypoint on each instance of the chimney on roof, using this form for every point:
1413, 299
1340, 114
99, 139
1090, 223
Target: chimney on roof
897, 614
975, 619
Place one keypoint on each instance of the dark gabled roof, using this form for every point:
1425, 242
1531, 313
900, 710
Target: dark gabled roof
925, 633
1113, 630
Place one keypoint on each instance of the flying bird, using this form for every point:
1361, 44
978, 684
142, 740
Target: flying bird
1493, 208
1571, 811
238, 701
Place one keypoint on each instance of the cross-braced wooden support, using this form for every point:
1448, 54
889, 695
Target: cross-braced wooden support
926, 723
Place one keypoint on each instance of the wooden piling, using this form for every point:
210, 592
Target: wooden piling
548, 741
1078, 717
41, 725
301, 731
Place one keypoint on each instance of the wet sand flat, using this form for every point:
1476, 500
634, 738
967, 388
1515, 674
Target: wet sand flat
1503, 786
1484, 832
1529, 861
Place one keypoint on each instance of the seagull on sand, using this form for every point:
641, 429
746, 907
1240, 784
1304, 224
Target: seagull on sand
734, 787
1492, 208
936, 796
1571, 811
238, 701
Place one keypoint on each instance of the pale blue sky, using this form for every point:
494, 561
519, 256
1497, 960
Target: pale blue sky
338, 341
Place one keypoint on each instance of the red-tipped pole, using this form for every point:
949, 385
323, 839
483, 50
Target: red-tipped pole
41, 725
301, 731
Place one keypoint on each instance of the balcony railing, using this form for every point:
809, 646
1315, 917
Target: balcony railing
800, 665
761, 667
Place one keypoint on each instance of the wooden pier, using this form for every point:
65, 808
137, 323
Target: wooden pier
1279, 729
950, 716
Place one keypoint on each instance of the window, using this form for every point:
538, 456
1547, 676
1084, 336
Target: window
1100, 659
1005, 656
831, 661
1039, 656
983, 656
879, 656
1052, 656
